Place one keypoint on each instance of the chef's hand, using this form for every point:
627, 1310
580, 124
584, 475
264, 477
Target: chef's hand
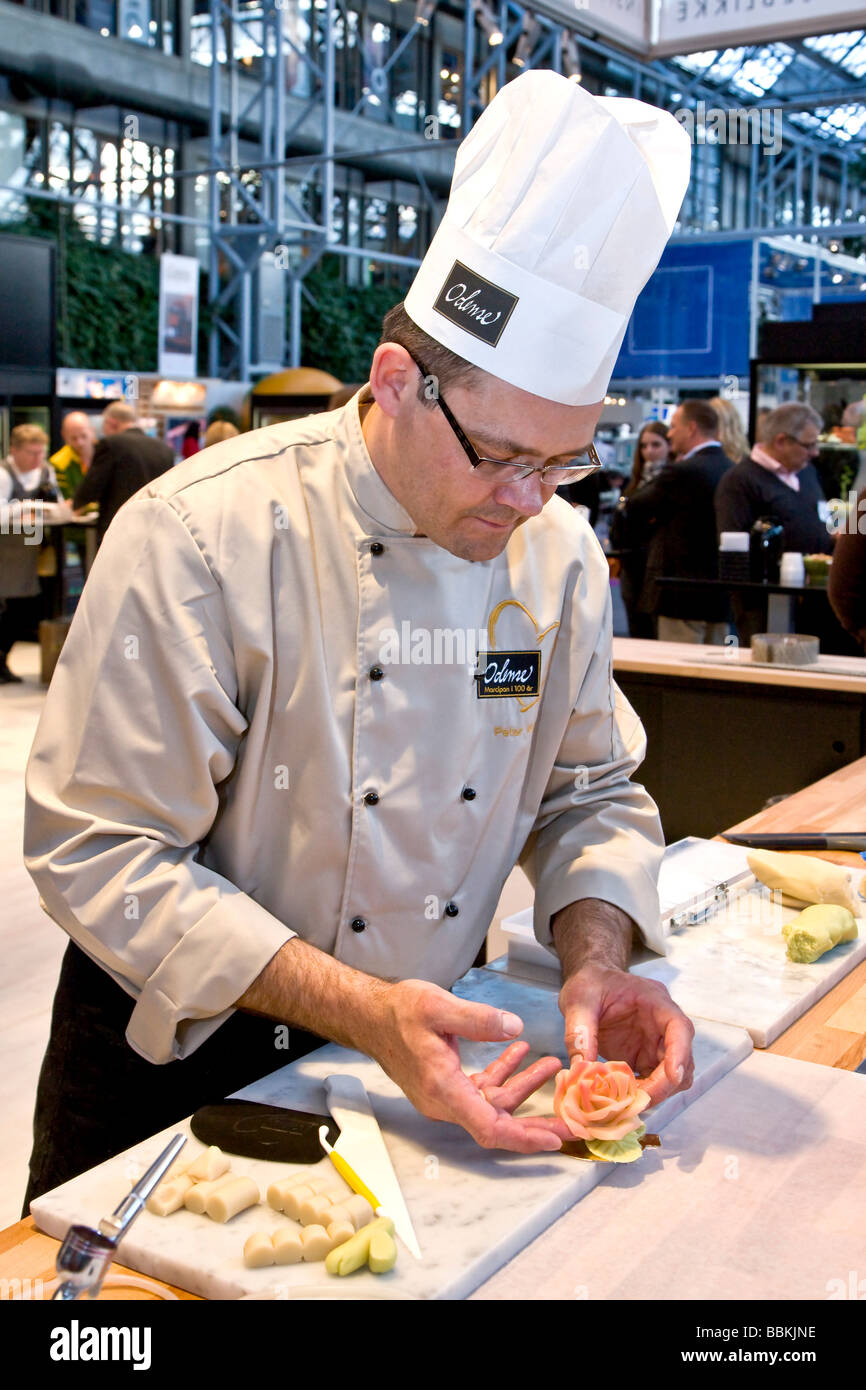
629, 1019
417, 1047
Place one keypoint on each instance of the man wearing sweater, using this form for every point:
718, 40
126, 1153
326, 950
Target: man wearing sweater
780, 480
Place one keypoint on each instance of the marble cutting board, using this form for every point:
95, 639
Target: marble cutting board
733, 968
756, 1195
472, 1209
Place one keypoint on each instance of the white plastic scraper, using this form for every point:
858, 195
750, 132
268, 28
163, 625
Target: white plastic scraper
363, 1148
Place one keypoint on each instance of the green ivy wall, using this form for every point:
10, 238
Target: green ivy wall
108, 306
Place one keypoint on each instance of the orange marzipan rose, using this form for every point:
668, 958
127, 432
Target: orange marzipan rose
599, 1100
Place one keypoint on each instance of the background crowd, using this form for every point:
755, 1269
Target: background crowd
691, 481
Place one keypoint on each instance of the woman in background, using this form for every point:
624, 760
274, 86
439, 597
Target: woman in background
628, 541
732, 436
190, 443
219, 430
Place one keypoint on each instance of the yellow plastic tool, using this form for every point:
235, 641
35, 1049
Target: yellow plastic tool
347, 1171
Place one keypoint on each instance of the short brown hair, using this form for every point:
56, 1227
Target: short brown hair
702, 414
121, 412
27, 434
440, 362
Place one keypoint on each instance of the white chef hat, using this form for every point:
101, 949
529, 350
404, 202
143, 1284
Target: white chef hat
560, 206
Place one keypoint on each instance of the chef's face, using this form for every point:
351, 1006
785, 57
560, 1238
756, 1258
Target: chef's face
426, 468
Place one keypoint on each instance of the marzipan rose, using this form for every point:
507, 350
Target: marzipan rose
599, 1100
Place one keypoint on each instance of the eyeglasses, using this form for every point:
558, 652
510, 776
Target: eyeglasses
503, 470
803, 443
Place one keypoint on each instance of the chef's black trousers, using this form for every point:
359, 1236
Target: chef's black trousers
96, 1097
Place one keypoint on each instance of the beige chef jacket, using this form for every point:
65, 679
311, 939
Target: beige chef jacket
199, 786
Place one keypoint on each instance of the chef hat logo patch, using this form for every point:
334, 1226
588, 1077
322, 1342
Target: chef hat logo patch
475, 304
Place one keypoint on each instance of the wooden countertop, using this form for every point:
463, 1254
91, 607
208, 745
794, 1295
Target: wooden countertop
832, 1033
684, 660
27, 1261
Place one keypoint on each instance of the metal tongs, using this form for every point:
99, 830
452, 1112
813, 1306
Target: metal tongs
84, 1256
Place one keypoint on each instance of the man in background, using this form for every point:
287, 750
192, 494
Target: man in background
677, 507
125, 459
71, 462
780, 480
26, 481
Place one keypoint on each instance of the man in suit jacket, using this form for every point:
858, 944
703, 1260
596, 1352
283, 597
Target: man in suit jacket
677, 507
125, 459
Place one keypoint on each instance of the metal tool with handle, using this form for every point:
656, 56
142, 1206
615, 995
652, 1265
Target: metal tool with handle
361, 1157
824, 839
85, 1254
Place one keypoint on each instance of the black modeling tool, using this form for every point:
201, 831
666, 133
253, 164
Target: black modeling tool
263, 1131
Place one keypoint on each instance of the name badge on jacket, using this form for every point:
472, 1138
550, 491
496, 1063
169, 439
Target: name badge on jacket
503, 675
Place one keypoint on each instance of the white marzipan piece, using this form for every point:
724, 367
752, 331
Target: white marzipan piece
259, 1251
293, 1190
359, 1209
340, 1231
316, 1243
314, 1211
211, 1164
340, 1212
232, 1198
287, 1243
293, 1198
169, 1196
196, 1197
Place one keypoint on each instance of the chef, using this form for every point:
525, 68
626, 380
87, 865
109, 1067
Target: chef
330, 681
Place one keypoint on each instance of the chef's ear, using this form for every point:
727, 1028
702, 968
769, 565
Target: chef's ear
393, 378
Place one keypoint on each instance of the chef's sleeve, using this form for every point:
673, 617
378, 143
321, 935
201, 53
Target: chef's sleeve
140, 728
597, 833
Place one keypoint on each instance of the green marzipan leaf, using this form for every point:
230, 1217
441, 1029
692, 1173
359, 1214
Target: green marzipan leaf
618, 1150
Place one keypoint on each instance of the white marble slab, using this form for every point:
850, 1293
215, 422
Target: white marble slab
472, 1209
733, 968
757, 1194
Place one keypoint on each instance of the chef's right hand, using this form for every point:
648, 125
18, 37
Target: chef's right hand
417, 1047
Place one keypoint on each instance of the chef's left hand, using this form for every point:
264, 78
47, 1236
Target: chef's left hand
629, 1019
504, 1087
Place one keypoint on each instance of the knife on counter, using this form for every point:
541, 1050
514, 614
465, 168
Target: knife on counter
362, 1149
854, 840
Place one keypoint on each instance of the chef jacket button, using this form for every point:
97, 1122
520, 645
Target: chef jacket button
371, 798
469, 793
377, 548
376, 673
358, 924
451, 909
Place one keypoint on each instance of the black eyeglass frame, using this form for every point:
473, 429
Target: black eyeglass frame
563, 472
808, 447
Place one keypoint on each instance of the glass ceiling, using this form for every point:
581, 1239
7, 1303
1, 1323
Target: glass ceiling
828, 63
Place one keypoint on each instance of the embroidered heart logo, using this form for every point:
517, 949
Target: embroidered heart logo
500, 608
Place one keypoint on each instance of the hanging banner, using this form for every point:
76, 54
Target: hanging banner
626, 22
178, 315
692, 317
688, 26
